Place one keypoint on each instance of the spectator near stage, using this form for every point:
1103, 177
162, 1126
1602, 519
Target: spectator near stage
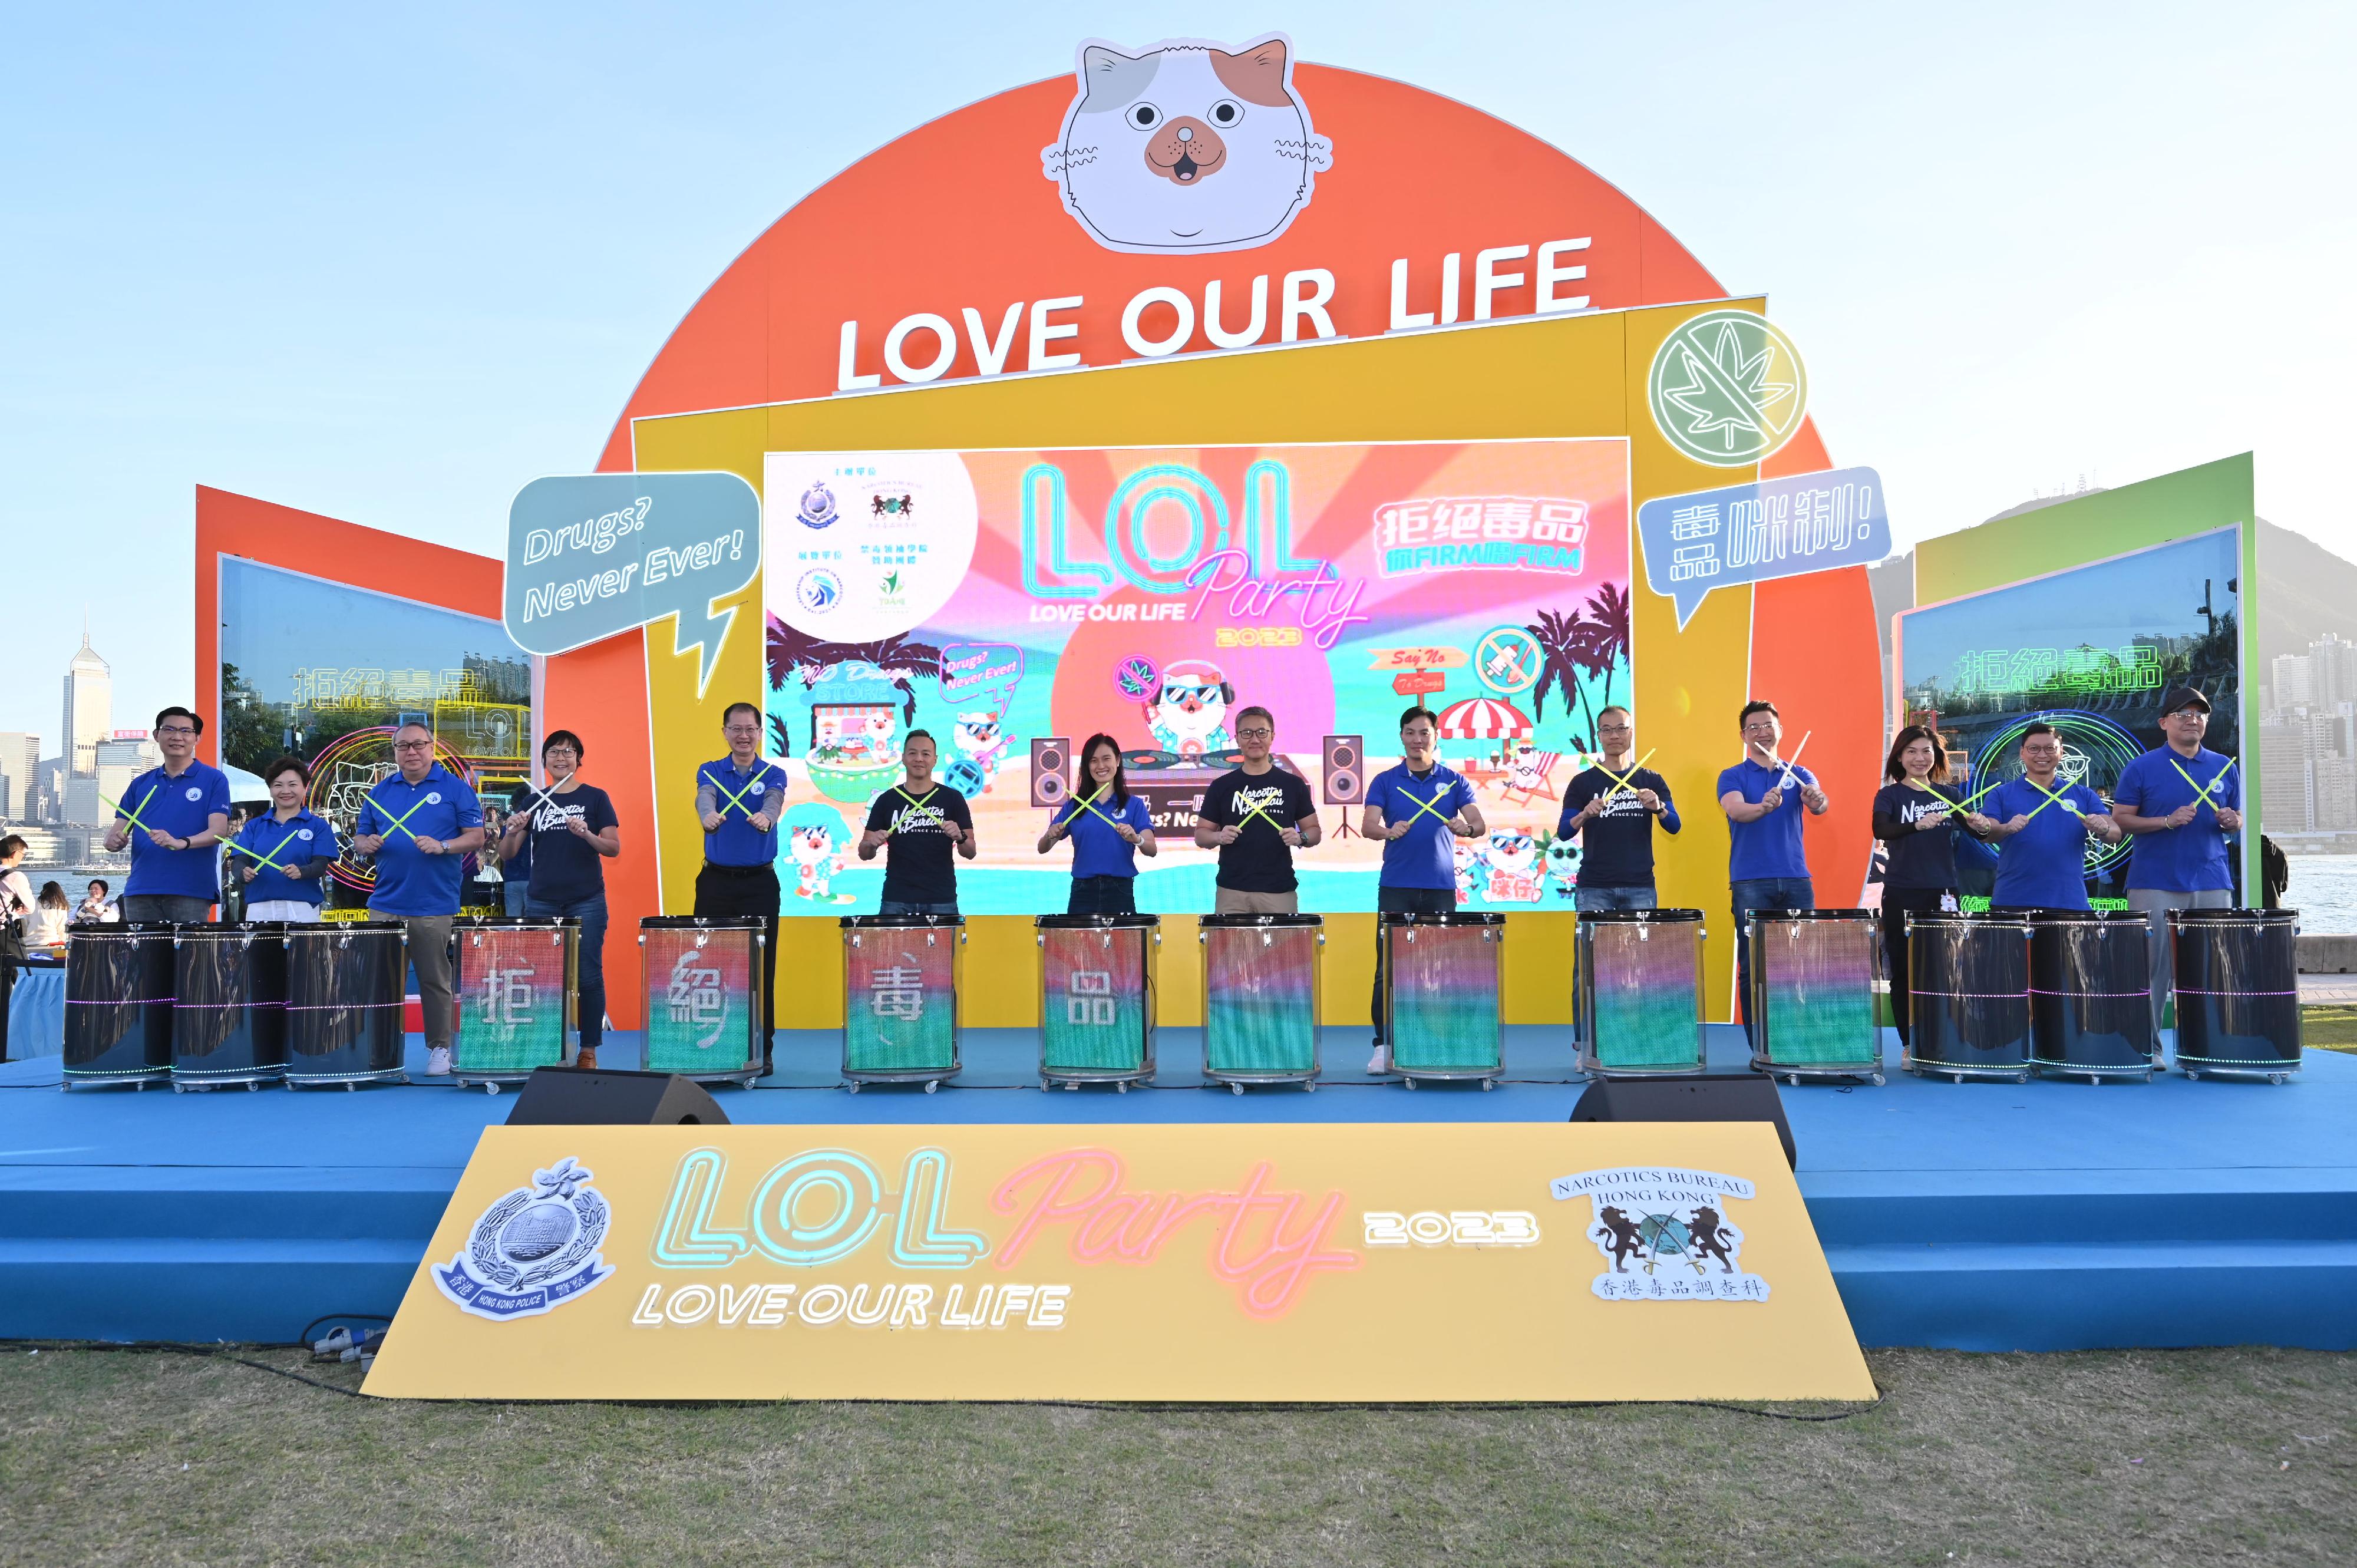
1414, 810
1256, 815
16, 906
1612, 808
738, 799
571, 831
96, 909
419, 823
1109, 827
918, 823
172, 817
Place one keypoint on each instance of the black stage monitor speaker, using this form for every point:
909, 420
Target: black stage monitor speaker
567, 1097
1346, 769
1705, 1097
1051, 761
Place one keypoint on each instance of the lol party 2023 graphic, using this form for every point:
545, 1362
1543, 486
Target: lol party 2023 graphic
1015, 603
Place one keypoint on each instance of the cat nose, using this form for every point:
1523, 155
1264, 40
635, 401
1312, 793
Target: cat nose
1186, 132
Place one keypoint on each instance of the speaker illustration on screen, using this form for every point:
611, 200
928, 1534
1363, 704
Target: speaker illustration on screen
1346, 769
1051, 759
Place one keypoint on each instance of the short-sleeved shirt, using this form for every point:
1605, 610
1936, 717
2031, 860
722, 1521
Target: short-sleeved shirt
1768, 845
2043, 866
1423, 857
919, 860
182, 807
440, 806
2191, 859
1616, 850
735, 842
1259, 860
304, 837
1097, 850
565, 869
517, 867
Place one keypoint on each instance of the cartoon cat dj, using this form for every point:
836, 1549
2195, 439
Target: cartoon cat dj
1186, 147
815, 837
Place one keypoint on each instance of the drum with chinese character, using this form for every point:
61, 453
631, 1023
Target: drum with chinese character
2237, 992
517, 982
900, 979
1442, 984
345, 983
1637, 993
1968, 990
2091, 993
1260, 998
228, 1004
1811, 1001
118, 1005
702, 978
1096, 999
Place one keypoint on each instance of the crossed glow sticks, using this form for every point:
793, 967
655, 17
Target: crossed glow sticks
736, 799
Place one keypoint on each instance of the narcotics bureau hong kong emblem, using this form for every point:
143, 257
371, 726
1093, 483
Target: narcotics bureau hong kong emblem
1666, 1234
533, 1249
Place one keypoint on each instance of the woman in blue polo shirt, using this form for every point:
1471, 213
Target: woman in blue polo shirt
1109, 827
283, 855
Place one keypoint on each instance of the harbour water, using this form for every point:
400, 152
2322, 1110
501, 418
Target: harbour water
2324, 890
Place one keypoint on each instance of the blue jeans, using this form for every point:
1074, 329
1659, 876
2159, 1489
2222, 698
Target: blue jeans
1587, 899
902, 907
1102, 895
513, 896
591, 913
1762, 893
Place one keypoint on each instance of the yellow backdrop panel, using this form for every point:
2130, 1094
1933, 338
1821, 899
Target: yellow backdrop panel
1566, 376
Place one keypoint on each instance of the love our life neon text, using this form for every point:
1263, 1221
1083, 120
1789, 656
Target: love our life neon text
825, 1206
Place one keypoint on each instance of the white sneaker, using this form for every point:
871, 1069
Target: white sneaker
1380, 1063
437, 1061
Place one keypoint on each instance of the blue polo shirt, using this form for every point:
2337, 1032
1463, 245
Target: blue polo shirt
1770, 845
409, 882
304, 837
1097, 850
1422, 857
182, 807
734, 842
2043, 866
2191, 859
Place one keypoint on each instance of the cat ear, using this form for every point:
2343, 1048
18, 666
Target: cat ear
1256, 73
1110, 78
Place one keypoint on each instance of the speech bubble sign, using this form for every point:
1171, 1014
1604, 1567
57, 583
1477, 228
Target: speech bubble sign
1755, 533
983, 672
592, 555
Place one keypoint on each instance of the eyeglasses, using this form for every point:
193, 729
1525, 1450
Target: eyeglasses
1254, 734
413, 746
742, 729
176, 730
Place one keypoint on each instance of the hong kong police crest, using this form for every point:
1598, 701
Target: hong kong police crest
533, 1249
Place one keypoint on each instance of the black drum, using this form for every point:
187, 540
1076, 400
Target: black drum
2091, 993
228, 1009
118, 1006
2237, 992
345, 981
1969, 978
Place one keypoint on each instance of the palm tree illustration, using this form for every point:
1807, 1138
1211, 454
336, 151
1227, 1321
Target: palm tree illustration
1565, 643
1608, 634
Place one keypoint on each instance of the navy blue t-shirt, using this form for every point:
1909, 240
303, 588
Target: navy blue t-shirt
1616, 850
565, 869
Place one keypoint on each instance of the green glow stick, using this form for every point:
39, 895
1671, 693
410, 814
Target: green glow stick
1618, 783
2201, 793
401, 821
133, 816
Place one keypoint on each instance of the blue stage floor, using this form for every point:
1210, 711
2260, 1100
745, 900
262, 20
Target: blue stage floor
2047, 1216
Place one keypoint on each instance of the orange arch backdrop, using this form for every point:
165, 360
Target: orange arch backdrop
957, 216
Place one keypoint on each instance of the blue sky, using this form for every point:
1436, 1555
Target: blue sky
391, 264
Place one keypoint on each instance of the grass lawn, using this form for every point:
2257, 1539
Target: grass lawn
2330, 1028
2202, 1457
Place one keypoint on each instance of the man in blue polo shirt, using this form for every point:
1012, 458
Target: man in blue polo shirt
738, 799
420, 824
2041, 826
1413, 810
172, 817
1763, 797
2182, 802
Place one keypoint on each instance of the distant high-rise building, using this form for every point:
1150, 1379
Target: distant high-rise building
2331, 671
2292, 683
2286, 781
20, 771
89, 708
2336, 792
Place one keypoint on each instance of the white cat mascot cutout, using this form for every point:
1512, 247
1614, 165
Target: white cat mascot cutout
1185, 147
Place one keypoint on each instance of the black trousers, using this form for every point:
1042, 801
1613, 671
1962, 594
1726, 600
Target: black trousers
1897, 903
7, 993
748, 890
1401, 901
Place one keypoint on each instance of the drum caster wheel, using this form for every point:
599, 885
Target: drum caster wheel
1072, 1089
932, 1084
1409, 1082
2192, 1076
180, 1088
350, 1087
1875, 1079
1792, 1080
492, 1088
1308, 1086
1045, 1086
1957, 1076
1120, 1088
250, 1086
1235, 1088
2274, 1078
853, 1085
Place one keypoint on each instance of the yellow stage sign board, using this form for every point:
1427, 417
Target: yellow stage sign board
1524, 1260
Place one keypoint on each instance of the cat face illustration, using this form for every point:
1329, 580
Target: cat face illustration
1185, 147
1512, 852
